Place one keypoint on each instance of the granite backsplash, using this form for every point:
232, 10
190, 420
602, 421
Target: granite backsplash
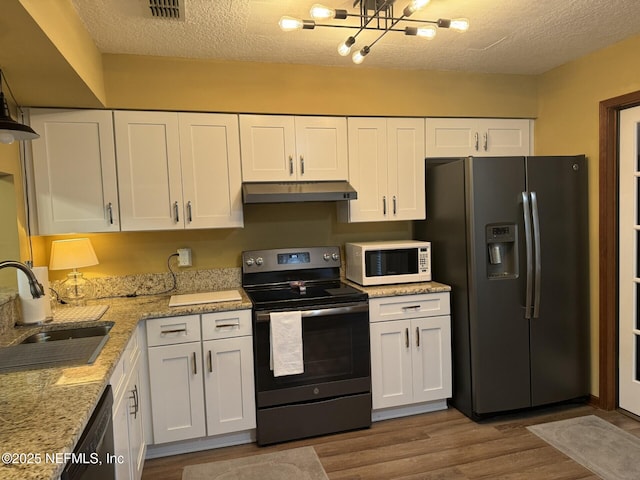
191, 281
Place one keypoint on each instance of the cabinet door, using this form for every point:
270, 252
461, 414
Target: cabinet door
177, 394
137, 446
391, 378
368, 169
229, 385
148, 156
505, 137
121, 439
267, 143
321, 146
406, 168
75, 171
452, 137
211, 177
431, 358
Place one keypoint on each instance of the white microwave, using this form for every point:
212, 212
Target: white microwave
384, 263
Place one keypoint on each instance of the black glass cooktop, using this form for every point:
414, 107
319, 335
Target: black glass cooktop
310, 293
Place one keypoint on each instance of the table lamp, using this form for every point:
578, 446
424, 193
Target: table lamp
73, 254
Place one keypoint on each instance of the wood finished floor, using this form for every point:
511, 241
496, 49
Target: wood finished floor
442, 445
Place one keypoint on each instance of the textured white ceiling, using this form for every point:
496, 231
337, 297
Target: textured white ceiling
506, 36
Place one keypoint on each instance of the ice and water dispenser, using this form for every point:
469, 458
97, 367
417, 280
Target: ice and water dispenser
502, 251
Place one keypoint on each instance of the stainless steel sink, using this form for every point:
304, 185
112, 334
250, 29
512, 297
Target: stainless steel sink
69, 333
67, 347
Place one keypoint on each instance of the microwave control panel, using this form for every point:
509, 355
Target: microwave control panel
424, 259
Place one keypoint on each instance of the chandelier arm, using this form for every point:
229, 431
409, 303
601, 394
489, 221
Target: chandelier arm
386, 30
368, 19
361, 28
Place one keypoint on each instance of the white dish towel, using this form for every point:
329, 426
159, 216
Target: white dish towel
286, 343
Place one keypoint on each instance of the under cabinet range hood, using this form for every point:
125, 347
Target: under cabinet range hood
286, 192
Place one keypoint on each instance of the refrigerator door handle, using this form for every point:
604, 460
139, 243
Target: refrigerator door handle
526, 208
536, 247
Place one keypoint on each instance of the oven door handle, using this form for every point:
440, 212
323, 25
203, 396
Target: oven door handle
322, 312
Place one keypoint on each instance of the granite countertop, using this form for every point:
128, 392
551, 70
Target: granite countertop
402, 289
44, 412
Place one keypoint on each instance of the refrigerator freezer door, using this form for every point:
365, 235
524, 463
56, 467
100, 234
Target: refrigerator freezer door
560, 333
499, 332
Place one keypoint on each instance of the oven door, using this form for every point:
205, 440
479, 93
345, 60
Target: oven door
336, 355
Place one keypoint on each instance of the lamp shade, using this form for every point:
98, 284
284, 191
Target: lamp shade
11, 130
73, 253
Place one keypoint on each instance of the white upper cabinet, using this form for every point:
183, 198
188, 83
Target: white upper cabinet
211, 174
386, 167
461, 137
178, 170
74, 169
287, 148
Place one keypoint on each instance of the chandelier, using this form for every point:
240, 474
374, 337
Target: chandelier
374, 15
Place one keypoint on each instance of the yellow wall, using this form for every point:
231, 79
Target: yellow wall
568, 116
14, 234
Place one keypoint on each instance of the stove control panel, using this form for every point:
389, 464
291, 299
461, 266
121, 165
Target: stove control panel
290, 259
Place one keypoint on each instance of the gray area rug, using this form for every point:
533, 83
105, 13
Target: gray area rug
295, 464
596, 444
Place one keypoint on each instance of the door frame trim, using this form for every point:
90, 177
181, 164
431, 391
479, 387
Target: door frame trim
608, 252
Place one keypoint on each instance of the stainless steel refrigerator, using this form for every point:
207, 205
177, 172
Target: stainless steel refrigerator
510, 235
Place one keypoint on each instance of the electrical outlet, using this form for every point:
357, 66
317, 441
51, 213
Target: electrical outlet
184, 257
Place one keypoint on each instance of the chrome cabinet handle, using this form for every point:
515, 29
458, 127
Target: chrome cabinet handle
189, 216
406, 340
301, 165
136, 401
195, 365
395, 205
486, 141
290, 165
110, 212
411, 307
210, 362
477, 141
418, 337
175, 211
384, 205
177, 330
226, 325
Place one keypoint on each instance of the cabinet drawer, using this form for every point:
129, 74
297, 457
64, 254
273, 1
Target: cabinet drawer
172, 330
408, 306
235, 323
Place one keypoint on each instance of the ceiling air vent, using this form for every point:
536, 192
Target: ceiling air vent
170, 9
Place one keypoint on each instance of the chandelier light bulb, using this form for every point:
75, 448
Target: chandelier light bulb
289, 24
6, 138
320, 12
428, 32
460, 24
358, 57
345, 47
414, 6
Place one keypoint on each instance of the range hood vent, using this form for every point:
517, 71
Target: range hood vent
286, 192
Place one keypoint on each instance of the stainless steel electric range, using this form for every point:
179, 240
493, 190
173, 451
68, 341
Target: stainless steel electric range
332, 392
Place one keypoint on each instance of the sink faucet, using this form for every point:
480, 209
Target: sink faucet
37, 290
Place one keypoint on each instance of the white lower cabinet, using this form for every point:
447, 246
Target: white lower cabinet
410, 349
201, 384
128, 423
